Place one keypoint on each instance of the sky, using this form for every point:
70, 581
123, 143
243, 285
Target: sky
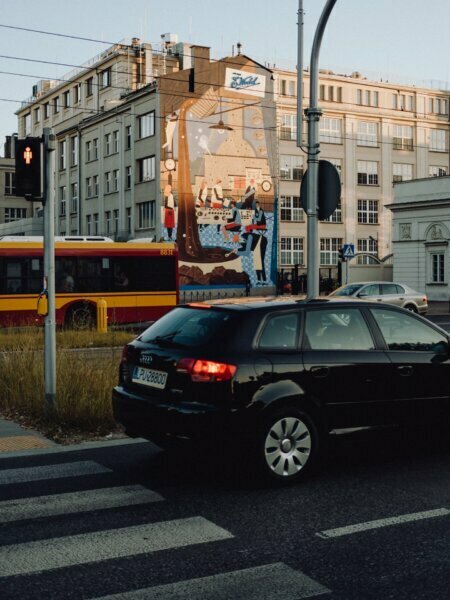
404, 41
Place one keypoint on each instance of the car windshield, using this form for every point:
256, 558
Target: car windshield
188, 327
347, 290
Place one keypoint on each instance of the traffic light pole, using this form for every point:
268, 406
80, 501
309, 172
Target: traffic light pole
313, 115
49, 273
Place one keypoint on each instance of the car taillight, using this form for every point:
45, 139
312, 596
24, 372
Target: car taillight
206, 370
425, 299
125, 353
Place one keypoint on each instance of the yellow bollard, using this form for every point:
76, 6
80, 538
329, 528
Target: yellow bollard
102, 316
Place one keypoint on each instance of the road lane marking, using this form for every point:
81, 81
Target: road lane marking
54, 553
75, 502
74, 469
267, 582
378, 523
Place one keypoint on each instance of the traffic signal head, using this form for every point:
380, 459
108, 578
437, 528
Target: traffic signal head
341, 255
29, 168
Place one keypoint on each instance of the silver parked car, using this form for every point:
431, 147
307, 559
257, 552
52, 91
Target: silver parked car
385, 291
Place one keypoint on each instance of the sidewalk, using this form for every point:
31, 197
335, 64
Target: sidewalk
13, 437
438, 308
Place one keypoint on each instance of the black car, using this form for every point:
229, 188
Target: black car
277, 377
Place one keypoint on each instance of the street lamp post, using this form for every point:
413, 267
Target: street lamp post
313, 114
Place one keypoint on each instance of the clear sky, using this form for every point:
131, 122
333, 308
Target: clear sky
399, 40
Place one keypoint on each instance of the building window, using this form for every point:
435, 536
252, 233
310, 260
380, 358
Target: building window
401, 172
368, 212
292, 251
10, 184
62, 155
288, 129
74, 198
116, 220
74, 151
127, 178
116, 180
287, 87
89, 188
95, 185
107, 182
37, 115
403, 102
437, 268
330, 131
403, 137
107, 144
105, 78
56, 105
88, 151
108, 221
128, 214
366, 245
66, 99
367, 172
95, 220
437, 171
62, 201
336, 216
146, 169
291, 167
127, 137
367, 134
291, 208
437, 106
95, 148
115, 147
89, 87
47, 110
329, 250
367, 97
146, 214
438, 140
330, 93
15, 214
147, 125
77, 93
89, 224
27, 124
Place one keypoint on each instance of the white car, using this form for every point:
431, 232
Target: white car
385, 291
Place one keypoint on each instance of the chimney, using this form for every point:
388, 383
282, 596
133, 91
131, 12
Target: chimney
200, 56
8, 146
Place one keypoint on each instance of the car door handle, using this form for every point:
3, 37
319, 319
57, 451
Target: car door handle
380, 299
320, 372
405, 370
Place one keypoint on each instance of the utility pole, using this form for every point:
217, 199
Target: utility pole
49, 272
313, 114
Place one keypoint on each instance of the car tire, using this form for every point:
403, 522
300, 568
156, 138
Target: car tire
411, 308
288, 445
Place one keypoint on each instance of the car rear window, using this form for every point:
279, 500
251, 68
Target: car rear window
347, 290
189, 327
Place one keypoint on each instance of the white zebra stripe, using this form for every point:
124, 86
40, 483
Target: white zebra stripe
54, 553
73, 469
75, 502
267, 582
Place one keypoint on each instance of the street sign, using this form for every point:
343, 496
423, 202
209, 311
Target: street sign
349, 250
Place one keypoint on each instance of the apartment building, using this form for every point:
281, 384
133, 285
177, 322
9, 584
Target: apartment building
12, 208
118, 161
376, 134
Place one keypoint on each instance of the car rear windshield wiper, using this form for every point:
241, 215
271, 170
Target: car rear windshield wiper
165, 340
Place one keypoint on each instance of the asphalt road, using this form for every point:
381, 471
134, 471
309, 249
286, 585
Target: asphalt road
127, 521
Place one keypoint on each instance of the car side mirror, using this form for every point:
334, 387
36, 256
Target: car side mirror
362, 295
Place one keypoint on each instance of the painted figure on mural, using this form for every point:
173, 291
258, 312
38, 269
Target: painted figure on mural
169, 210
217, 197
255, 245
234, 224
171, 123
248, 200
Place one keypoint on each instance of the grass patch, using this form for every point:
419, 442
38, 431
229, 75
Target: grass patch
84, 380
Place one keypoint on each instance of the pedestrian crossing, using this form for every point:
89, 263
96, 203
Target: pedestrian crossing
47, 556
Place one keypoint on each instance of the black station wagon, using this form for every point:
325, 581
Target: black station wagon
278, 376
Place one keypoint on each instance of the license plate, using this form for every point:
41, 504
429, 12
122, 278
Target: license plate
150, 377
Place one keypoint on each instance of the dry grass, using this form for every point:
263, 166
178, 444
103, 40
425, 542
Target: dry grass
85, 379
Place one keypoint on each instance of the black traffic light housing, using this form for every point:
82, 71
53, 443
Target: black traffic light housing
341, 255
29, 168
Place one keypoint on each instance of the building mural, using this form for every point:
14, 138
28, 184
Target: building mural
217, 172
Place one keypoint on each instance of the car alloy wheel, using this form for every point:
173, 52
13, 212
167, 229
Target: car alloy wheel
290, 444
